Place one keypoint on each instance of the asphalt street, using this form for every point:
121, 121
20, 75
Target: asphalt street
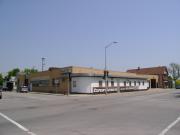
132, 113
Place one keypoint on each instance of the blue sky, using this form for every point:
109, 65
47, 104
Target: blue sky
74, 32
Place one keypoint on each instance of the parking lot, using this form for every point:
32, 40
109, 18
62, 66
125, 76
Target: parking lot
153, 112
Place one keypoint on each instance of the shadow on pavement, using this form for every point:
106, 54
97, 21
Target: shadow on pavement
177, 95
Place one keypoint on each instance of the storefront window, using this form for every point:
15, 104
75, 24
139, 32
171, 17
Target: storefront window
40, 83
74, 84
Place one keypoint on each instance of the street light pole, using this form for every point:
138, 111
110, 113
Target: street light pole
106, 72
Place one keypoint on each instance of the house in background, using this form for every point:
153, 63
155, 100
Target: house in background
10, 84
160, 71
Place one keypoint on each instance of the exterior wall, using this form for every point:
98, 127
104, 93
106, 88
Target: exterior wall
20, 80
140, 87
83, 85
163, 81
50, 77
86, 84
161, 73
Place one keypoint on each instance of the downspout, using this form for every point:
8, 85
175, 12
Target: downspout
118, 85
92, 78
69, 84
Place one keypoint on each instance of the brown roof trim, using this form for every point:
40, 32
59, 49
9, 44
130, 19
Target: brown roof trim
151, 70
101, 75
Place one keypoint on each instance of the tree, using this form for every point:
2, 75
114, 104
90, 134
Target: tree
28, 71
1, 79
13, 72
174, 70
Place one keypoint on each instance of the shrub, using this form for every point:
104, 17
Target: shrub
177, 83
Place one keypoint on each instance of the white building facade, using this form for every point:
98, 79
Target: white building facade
96, 84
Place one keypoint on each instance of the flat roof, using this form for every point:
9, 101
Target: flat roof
92, 72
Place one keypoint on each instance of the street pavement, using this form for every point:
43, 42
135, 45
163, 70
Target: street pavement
132, 113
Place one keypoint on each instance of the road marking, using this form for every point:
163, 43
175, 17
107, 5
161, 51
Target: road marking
170, 126
17, 124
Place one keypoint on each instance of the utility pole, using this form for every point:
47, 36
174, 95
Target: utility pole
43, 63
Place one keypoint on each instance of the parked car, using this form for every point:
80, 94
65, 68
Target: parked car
0, 92
4, 89
24, 89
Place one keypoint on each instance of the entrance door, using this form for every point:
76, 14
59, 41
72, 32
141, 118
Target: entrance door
153, 83
26, 81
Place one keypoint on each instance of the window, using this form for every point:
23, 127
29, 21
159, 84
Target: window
35, 83
74, 84
112, 83
43, 82
143, 83
129, 83
139, 83
40, 83
125, 83
100, 83
134, 83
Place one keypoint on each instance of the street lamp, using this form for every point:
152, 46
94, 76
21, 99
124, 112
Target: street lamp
106, 72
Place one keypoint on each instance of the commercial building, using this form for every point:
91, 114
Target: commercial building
85, 80
160, 71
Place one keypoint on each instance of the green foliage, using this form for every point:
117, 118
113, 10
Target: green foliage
170, 78
13, 72
177, 82
1, 79
28, 71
